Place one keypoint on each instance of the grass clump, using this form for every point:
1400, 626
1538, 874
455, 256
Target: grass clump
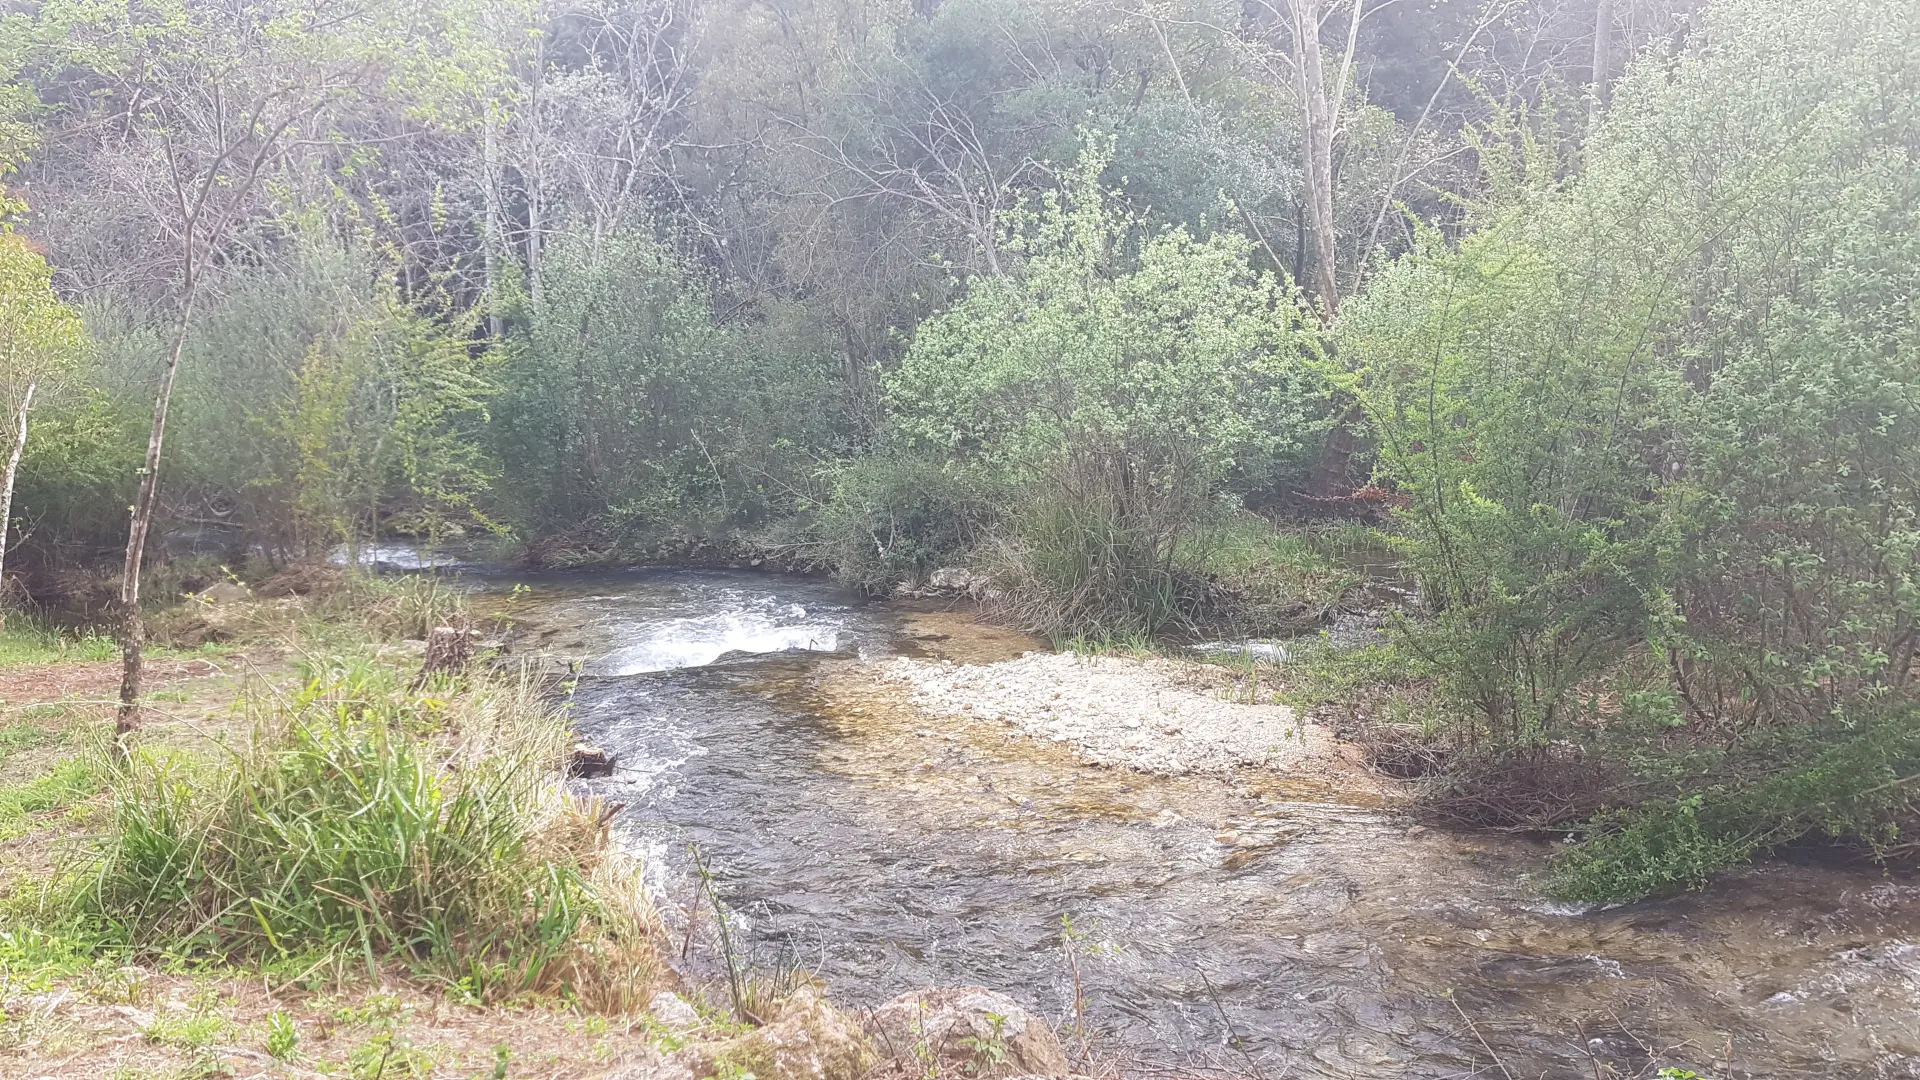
372, 823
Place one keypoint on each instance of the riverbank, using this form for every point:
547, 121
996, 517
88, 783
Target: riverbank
98, 983
1220, 919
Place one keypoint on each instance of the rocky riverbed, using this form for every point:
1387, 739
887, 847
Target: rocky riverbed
1151, 715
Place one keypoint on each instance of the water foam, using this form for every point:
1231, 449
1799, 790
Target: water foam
699, 640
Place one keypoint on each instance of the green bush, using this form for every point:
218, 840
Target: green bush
1850, 781
895, 518
371, 823
1115, 386
1655, 425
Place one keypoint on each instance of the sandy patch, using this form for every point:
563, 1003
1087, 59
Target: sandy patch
1151, 715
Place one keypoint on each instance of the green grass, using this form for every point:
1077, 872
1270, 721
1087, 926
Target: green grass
17, 737
68, 782
23, 642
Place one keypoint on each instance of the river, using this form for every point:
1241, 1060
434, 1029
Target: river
1243, 922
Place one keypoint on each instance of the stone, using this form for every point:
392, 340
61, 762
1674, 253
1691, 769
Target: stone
588, 762
956, 579
673, 1010
970, 1030
804, 1039
223, 592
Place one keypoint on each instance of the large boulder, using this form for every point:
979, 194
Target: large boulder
967, 1031
806, 1039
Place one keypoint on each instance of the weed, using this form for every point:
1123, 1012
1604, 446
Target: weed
186, 1028
283, 1036
388, 1056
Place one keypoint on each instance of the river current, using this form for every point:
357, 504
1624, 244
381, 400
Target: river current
1242, 922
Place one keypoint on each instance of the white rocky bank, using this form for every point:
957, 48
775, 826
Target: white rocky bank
1152, 715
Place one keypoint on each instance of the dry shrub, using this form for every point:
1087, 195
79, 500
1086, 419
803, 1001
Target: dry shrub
1525, 788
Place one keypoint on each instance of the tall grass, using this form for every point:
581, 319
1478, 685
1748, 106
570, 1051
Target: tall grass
1079, 569
364, 821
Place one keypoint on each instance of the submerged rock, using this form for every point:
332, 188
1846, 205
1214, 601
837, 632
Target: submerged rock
975, 1031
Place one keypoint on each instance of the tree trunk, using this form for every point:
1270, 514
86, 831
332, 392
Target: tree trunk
1602, 53
1317, 113
13, 471
133, 628
491, 233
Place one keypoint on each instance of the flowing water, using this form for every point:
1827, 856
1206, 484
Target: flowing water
1247, 922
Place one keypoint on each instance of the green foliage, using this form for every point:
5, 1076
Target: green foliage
41, 337
628, 403
1118, 381
283, 1035
349, 825
1659, 418
316, 407
894, 518
1852, 780
1509, 383
1112, 339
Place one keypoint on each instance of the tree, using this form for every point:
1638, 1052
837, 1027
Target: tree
40, 338
187, 111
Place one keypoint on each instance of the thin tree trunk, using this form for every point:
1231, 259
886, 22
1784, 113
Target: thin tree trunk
1318, 116
491, 231
1602, 54
133, 627
13, 471
1328, 478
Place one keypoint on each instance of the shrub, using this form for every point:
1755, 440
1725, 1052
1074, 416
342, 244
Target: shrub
894, 518
367, 822
1846, 781
1116, 384
1660, 418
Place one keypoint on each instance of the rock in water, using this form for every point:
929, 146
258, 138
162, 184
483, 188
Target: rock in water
588, 761
975, 1031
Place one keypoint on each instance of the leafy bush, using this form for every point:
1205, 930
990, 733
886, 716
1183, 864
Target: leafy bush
1850, 781
1116, 383
1660, 418
369, 822
895, 518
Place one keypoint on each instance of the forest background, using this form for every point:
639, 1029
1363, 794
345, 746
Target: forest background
1604, 317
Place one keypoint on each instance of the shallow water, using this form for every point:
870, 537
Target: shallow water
1257, 924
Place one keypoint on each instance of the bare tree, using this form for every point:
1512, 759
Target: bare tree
183, 132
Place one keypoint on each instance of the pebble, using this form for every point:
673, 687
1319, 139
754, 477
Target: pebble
1149, 715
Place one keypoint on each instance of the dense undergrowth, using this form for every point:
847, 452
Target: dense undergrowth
368, 822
